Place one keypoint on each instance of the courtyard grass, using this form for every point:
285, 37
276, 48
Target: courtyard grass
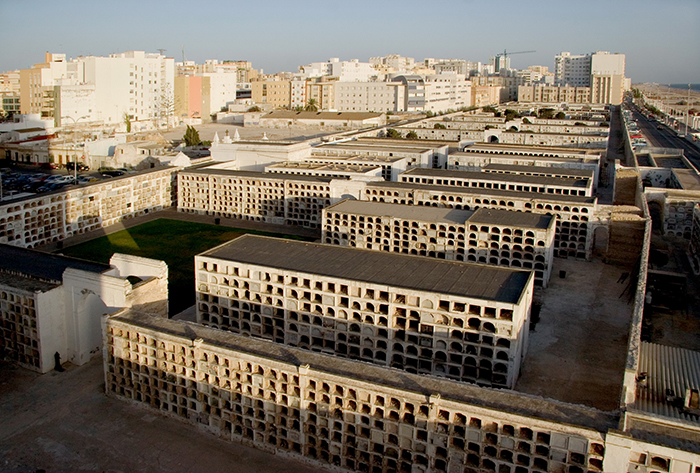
173, 241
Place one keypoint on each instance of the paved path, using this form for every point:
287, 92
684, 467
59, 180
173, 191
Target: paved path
189, 217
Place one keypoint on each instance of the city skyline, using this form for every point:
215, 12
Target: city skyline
285, 36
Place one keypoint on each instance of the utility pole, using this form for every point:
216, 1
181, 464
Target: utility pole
687, 112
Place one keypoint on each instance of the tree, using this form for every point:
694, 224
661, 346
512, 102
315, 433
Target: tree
439, 126
511, 114
489, 109
560, 116
311, 106
411, 135
191, 137
127, 122
525, 120
546, 113
164, 105
254, 108
391, 133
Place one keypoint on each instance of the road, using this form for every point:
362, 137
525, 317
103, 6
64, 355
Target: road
666, 138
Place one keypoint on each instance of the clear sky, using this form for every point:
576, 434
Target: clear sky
661, 38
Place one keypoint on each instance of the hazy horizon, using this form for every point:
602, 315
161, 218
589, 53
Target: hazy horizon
660, 39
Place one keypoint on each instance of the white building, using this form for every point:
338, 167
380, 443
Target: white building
435, 92
133, 83
347, 71
54, 304
298, 93
603, 72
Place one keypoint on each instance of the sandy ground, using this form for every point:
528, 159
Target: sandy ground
64, 422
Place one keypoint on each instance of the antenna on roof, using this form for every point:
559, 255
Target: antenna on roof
161, 51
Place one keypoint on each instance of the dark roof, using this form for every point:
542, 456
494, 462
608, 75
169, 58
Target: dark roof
493, 176
481, 191
377, 267
551, 171
511, 218
258, 175
43, 266
443, 214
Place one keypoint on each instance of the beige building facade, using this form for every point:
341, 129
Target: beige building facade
488, 236
287, 292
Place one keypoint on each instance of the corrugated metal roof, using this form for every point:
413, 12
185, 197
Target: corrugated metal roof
667, 369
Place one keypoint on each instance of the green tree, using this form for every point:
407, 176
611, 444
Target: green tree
511, 114
254, 108
439, 126
488, 109
127, 122
411, 135
525, 120
191, 137
560, 116
546, 113
391, 133
311, 106
298, 108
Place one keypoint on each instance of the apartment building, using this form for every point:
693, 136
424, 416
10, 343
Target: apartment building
603, 72
554, 94
435, 92
51, 217
538, 183
369, 96
202, 94
276, 93
346, 71
323, 298
53, 304
488, 236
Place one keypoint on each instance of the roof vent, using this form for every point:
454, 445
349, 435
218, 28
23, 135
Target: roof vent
692, 401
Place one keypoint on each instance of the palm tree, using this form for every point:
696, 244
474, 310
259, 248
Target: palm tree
312, 106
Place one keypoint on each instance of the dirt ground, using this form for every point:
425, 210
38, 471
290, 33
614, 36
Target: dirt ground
63, 422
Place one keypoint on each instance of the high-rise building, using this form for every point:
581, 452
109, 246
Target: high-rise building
602, 71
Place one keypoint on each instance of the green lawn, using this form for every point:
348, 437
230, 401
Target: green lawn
173, 241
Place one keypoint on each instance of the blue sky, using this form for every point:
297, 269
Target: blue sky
660, 38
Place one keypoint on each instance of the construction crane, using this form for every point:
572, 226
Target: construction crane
506, 53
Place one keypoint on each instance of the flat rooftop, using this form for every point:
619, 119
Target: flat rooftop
529, 149
502, 400
492, 176
432, 144
44, 267
552, 171
443, 215
689, 179
558, 157
288, 114
378, 267
355, 158
256, 174
578, 349
322, 167
482, 191
352, 145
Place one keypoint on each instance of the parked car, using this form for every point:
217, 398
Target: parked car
112, 173
49, 166
81, 167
